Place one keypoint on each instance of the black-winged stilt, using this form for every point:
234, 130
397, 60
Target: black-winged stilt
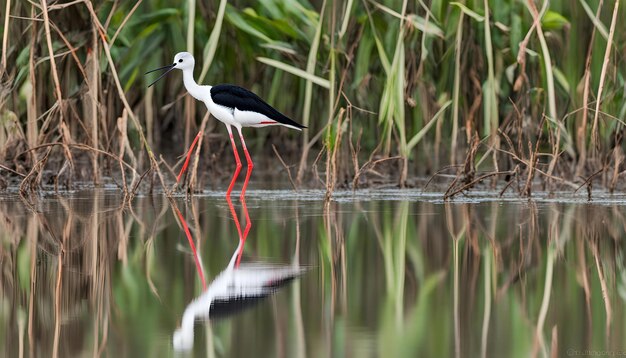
232, 105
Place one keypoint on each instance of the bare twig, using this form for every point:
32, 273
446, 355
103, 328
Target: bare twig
438, 172
12, 171
79, 146
589, 179
293, 185
474, 182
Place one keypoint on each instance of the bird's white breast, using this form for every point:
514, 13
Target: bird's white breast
222, 113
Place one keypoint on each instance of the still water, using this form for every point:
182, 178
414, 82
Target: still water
397, 274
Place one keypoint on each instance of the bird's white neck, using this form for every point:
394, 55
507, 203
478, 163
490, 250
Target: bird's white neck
192, 87
183, 337
187, 323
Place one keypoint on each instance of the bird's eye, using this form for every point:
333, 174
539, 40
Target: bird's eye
181, 60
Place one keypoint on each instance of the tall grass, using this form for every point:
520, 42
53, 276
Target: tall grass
518, 74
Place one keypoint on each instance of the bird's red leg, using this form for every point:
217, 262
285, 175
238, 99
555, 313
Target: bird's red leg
182, 170
238, 169
250, 165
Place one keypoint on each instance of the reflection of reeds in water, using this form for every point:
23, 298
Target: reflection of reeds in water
518, 262
65, 273
84, 277
78, 252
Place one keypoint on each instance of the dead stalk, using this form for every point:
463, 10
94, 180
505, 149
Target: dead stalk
532, 162
196, 159
93, 82
582, 129
32, 132
331, 156
605, 65
63, 129
149, 114
121, 127
122, 97
5, 39
618, 159
53, 66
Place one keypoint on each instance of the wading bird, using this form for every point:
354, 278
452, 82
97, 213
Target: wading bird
232, 105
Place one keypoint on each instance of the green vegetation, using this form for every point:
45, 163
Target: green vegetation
516, 91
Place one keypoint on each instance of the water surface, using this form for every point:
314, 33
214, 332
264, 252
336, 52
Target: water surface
385, 273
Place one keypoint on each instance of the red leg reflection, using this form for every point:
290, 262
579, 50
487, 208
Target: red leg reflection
182, 170
248, 224
242, 236
193, 247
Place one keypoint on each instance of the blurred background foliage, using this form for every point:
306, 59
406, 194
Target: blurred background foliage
391, 90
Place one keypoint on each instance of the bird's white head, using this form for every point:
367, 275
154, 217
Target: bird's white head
183, 340
183, 61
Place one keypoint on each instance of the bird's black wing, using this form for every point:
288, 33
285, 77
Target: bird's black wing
232, 96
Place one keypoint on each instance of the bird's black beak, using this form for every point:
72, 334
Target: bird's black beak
168, 68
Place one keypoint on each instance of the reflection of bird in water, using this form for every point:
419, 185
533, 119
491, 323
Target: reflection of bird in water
233, 290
